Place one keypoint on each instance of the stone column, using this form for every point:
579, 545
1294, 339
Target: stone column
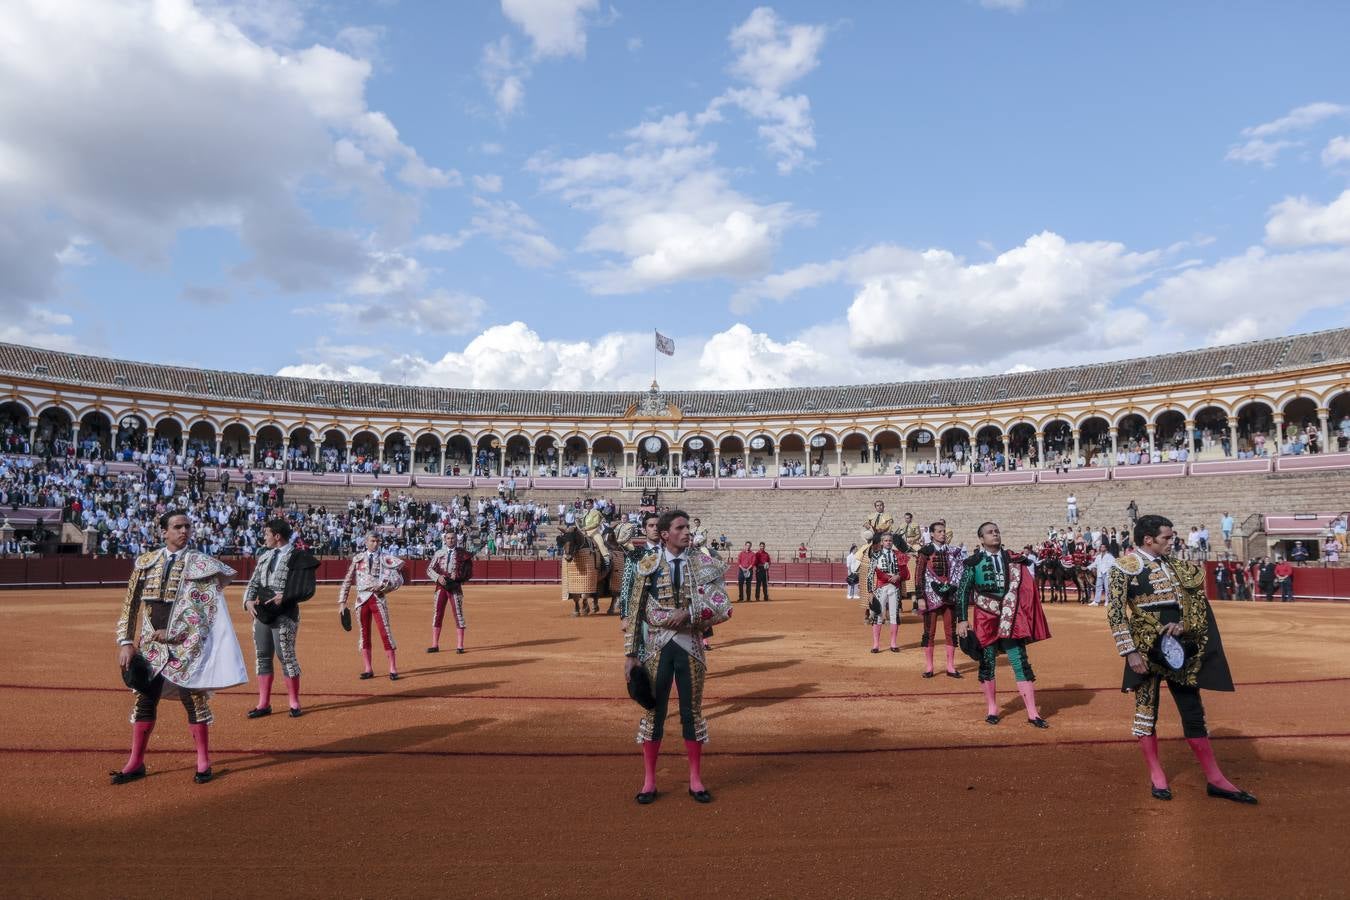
1115, 446
1278, 419
1040, 450
838, 459
441, 470
1149, 428
590, 460
904, 458
1076, 448
1324, 418
531, 472
1233, 434
777, 465
90, 540
1191, 452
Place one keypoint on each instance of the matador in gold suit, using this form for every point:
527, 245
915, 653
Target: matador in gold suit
1164, 627
175, 629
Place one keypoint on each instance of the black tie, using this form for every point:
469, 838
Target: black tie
675, 577
164, 576
272, 564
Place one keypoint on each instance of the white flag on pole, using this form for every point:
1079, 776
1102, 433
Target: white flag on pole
664, 344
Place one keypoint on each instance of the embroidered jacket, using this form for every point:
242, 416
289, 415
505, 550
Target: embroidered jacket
192, 584
938, 573
261, 578
1137, 588
371, 574
658, 603
447, 564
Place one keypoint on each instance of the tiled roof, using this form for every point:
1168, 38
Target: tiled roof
1256, 357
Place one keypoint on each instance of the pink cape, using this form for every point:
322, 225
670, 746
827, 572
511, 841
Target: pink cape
1029, 623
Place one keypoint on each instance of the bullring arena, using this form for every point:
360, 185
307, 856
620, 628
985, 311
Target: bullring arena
836, 772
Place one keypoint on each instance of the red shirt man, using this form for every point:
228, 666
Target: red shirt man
762, 572
801, 552
746, 558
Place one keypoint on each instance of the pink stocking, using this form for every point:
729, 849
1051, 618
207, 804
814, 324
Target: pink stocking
895, 635
1149, 747
459, 638
990, 696
928, 658
695, 751
365, 657
1205, 754
203, 745
436, 636
293, 690
140, 739
1028, 691
650, 750
393, 660
264, 691
951, 658
876, 636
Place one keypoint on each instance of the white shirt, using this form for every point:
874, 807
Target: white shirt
684, 637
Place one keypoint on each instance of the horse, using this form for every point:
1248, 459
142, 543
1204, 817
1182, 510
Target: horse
580, 571
1053, 573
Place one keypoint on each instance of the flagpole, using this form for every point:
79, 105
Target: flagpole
655, 354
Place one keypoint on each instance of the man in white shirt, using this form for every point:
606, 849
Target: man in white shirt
1073, 509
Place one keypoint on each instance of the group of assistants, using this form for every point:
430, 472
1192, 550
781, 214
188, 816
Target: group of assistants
175, 636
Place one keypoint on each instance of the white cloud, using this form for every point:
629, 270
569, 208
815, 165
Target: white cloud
1005, 5
1048, 291
488, 184
668, 215
1299, 119
670, 130
1260, 294
1299, 222
556, 28
772, 54
1336, 151
361, 41
634, 44
504, 76
519, 235
187, 120
1259, 150
505, 223
437, 312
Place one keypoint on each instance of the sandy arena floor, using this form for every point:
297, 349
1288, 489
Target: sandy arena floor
511, 770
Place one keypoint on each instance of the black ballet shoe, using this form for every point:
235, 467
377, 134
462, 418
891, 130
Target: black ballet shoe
895, 649
992, 719
297, 712
393, 676
701, 796
1238, 796
927, 674
259, 713
875, 650
1161, 793
365, 675
128, 777
433, 649
459, 649
646, 797
202, 777
954, 675
1038, 722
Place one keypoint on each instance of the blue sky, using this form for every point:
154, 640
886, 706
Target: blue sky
516, 193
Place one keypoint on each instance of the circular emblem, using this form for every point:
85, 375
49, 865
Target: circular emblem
653, 445
130, 422
924, 437
694, 443
818, 441
1172, 652
757, 443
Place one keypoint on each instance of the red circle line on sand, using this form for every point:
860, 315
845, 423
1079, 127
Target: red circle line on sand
610, 754
743, 698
